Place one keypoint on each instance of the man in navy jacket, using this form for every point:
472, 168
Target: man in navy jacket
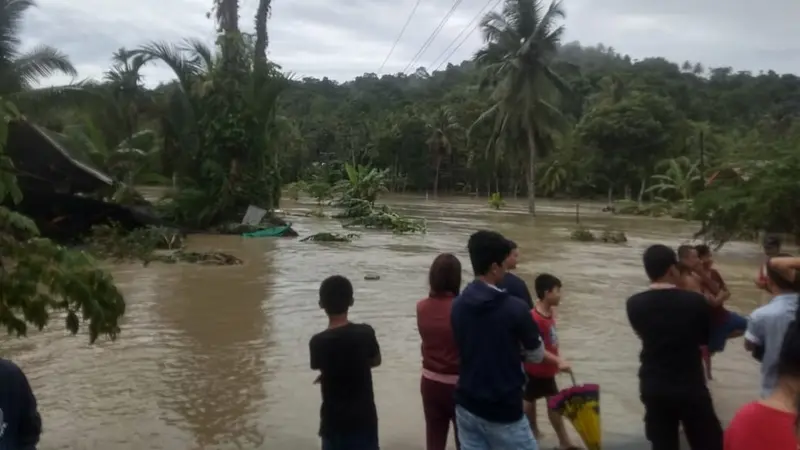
20, 423
495, 333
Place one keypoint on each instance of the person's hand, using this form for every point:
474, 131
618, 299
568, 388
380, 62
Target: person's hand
564, 366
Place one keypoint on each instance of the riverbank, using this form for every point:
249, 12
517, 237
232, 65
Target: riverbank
216, 357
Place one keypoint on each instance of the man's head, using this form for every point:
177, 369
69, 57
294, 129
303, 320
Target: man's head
771, 245
511, 262
704, 253
687, 255
488, 251
781, 280
548, 289
661, 264
336, 295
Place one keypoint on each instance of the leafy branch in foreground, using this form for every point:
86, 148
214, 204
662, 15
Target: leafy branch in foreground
38, 277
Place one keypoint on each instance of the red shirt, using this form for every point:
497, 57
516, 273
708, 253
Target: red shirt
547, 329
757, 427
439, 351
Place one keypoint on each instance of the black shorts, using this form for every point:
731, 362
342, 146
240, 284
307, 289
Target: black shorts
537, 388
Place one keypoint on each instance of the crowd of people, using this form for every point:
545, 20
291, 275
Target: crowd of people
490, 351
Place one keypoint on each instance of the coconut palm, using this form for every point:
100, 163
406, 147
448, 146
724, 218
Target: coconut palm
21, 71
521, 43
443, 127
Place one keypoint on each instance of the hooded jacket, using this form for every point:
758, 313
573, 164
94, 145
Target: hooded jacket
495, 333
20, 424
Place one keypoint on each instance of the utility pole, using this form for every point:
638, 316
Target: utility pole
703, 169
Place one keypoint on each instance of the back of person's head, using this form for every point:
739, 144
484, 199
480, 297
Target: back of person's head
703, 250
780, 280
685, 251
771, 244
659, 262
545, 283
487, 252
335, 295
444, 276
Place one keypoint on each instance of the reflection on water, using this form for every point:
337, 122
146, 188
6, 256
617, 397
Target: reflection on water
217, 357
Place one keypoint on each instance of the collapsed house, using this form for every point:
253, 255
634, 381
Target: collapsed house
61, 192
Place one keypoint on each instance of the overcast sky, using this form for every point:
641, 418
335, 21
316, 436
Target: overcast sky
341, 39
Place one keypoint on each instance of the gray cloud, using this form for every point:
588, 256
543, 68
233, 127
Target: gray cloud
345, 38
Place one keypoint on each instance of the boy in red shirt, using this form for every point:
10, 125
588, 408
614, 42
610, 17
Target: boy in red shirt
542, 376
771, 423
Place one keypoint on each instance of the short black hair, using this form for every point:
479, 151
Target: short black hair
771, 241
486, 248
444, 276
703, 250
512, 244
545, 283
778, 279
657, 260
335, 295
684, 250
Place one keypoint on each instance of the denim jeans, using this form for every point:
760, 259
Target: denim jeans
475, 433
362, 440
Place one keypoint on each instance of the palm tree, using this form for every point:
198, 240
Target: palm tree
680, 176
20, 72
521, 43
443, 126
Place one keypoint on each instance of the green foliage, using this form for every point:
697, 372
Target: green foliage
38, 277
496, 201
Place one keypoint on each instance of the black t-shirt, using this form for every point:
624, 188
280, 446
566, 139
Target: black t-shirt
345, 357
672, 324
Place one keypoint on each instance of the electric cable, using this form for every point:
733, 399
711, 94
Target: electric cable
433, 35
463, 30
399, 36
462, 41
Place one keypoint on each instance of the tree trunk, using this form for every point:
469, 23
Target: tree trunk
610, 195
436, 177
642, 188
262, 38
531, 173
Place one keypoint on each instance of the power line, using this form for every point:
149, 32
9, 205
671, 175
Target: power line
466, 27
433, 35
462, 41
399, 36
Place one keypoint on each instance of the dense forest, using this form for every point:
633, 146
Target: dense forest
529, 115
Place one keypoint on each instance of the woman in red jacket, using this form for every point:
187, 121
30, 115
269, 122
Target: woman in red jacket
439, 351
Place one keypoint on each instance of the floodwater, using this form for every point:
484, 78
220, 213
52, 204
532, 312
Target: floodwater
217, 357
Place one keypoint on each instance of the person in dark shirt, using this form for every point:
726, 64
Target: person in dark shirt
345, 354
673, 324
515, 285
495, 334
20, 423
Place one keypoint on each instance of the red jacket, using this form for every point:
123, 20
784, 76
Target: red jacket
439, 351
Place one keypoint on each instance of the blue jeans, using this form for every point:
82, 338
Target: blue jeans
719, 333
480, 434
361, 440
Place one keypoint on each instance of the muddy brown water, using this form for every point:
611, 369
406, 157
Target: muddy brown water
217, 357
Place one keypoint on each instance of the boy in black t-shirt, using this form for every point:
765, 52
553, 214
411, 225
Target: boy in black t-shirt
672, 324
345, 354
